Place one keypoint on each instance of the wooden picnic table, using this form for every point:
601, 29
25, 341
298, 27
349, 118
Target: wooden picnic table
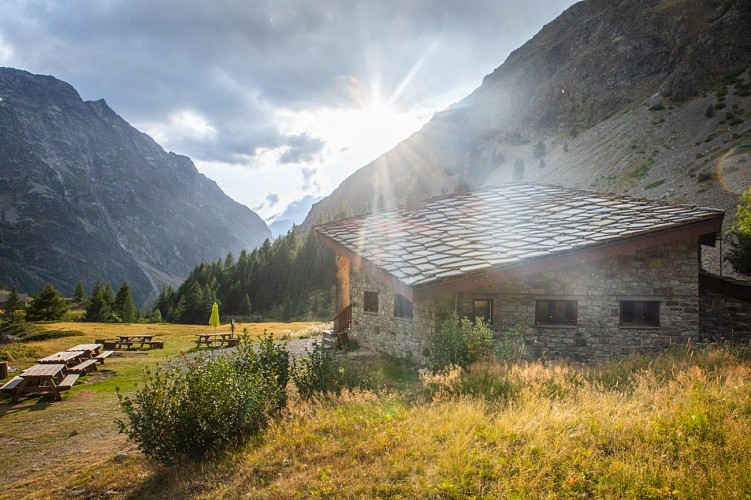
216, 339
135, 338
66, 358
89, 350
44, 378
142, 339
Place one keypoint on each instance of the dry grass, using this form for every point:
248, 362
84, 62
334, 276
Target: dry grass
565, 434
671, 426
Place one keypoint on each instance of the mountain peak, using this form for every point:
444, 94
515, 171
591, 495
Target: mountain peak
85, 196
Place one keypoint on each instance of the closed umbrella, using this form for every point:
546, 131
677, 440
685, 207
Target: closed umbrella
214, 319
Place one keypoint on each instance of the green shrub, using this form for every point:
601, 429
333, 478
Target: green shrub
510, 345
189, 410
318, 372
705, 176
270, 360
13, 351
460, 342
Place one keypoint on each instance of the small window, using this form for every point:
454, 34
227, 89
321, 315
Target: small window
640, 313
370, 302
556, 312
402, 307
482, 308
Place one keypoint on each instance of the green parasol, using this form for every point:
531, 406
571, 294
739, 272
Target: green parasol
214, 319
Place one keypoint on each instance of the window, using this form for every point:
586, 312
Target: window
482, 308
402, 307
370, 302
640, 313
556, 312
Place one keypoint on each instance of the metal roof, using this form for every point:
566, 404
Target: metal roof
499, 227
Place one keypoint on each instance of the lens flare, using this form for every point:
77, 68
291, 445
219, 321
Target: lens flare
734, 169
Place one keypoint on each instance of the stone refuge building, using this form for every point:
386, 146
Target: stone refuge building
579, 275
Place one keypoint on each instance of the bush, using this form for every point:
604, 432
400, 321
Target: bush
270, 360
321, 372
460, 342
190, 410
705, 176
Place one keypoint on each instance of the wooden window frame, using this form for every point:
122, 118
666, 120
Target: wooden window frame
403, 307
561, 315
488, 307
370, 302
647, 310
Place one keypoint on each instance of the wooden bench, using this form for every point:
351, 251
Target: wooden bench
11, 385
335, 340
126, 343
233, 342
110, 345
153, 344
84, 367
103, 355
67, 382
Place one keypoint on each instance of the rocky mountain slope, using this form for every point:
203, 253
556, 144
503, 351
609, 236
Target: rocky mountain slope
644, 97
84, 195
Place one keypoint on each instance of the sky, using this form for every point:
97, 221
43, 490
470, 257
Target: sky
277, 101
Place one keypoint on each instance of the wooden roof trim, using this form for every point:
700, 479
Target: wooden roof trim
724, 285
360, 264
550, 263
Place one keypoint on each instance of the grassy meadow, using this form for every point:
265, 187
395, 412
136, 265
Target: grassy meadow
675, 425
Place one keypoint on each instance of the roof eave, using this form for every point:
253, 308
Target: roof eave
706, 230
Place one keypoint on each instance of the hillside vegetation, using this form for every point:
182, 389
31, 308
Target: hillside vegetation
291, 278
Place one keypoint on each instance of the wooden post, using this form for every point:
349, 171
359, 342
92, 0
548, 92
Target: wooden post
342, 289
3, 369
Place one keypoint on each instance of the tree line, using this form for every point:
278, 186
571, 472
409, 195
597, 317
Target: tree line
104, 306
288, 278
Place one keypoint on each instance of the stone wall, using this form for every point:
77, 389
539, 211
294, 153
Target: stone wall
725, 310
668, 274
381, 331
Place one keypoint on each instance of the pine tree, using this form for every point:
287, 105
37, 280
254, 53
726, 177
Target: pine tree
539, 150
193, 308
13, 306
46, 306
123, 306
245, 307
109, 294
99, 309
79, 294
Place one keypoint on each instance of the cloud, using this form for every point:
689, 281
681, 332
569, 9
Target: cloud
302, 148
212, 80
272, 199
308, 183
